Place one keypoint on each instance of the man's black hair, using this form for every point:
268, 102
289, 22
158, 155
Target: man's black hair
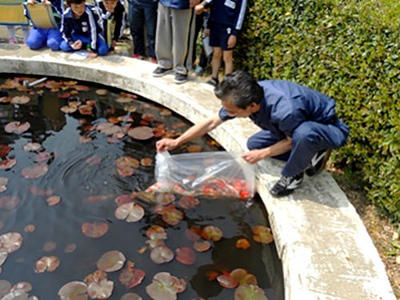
69, 2
241, 88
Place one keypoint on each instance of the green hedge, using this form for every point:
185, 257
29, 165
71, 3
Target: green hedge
350, 51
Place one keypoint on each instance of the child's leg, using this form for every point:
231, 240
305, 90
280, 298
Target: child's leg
25, 32
11, 34
150, 16
102, 47
36, 38
54, 39
216, 61
228, 61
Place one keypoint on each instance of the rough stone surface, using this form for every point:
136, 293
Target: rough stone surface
325, 249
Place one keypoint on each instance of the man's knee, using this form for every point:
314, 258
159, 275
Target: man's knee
305, 133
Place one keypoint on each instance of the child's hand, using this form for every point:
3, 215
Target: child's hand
31, 2
46, 3
77, 45
193, 3
92, 55
231, 41
198, 9
207, 32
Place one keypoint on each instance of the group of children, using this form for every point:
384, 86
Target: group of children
98, 27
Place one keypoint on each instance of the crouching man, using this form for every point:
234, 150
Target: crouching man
298, 125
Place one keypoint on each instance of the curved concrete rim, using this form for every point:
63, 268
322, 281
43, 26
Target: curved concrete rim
325, 249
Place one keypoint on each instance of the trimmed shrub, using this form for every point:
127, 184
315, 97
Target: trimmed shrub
350, 51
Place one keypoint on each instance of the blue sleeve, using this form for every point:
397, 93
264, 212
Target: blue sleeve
239, 18
287, 115
223, 115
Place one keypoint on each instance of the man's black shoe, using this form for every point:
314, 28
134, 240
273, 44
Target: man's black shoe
213, 81
318, 162
159, 71
286, 185
180, 78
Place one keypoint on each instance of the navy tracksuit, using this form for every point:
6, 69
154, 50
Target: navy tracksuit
292, 110
87, 28
40, 37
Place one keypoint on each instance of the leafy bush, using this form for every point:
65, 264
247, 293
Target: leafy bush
350, 51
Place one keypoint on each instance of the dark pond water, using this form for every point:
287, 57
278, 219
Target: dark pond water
88, 189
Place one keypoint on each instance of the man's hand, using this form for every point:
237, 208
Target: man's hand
254, 156
166, 145
198, 9
193, 3
77, 45
232, 41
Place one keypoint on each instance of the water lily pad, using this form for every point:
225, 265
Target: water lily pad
5, 99
123, 199
70, 248
17, 127
93, 160
5, 287
130, 212
81, 88
4, 150
20, 100
64, 95
227, 281
165, 112
49, 246
41, 192
7, 164
44, 156
16, 295
172, 215
165, 198
165, 287
130, 108
159, 132
124, 100
141, 133
69, 109
108, 128
96, 276
85, 139
188, 202
262, 234
32, 147
185, 255
22, 285
53, 200
111, 261
9, 202
75, 290
47, 263
3, 184
243, 277
249, 292
35, 171
3, 257
131, 277
202, 246
146, 162
127, 161
242, 244
193, 233
100, 290
30, 228
194, 148
10, 241
131, 296
156, 232
101, 92
161, 255
86, 110
94, 230
212, 233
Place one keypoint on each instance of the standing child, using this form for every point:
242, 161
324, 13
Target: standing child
226, 19
81, 30
40, 37
12, 38
113, 19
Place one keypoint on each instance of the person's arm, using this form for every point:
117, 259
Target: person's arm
192, 133
278, 148
237, 25
66, 29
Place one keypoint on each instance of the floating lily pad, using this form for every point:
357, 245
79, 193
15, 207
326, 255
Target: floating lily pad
188, 202
249, 292
243, 277
108, 128
131, 277
22, 285
130, 212
171, 215
69, 109
94, 230
47, 263
9, 202
227, 281
141, 133
86, 110
123, 199
81, 88
3, 184
131, 296
193, 233
32, 147
5, 99
101, 92
96, 276
41, 192
44, 156
100, 290
17, 127
148, 117
159, 132
49, 246
165, 198
202, 246
242, 244
5, 287
70, 248
165, 287
30, 228
127, 161
156, 232
20, 100
93, 160
64, 95
146, 162
75, 290
124, 100
53, 200
7, 164
3, 257
185, 255
161, 255
194, 148
85, 139
111, 261
212, 233
262, 234
35, 171
4, 150
165, 112
10, 241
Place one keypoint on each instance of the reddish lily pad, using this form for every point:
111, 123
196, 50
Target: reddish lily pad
161, 255
141, 133
156, 232
86, 110
165, 198
159, 132
127, 161
22, 285
109, 128
9, 202
96, 276
193, 233
53, 200
131, 277
17, 127
49, 246
94, 230
242, 244
111, 261
64, 95
101, 92
4, 150
69, 109
185, 255
249, 292
10, 241
194, 148
123, 199
131, 296
32, 147
35, 171
262, 234
243, 277
146, 162
212, 233
41, 192
7, 164
165, 286
70, 248
81, 88
130, 212
30, 228
227, 281
20, 100
47, 263
93, 160
76, 290
44, 156
202, 246
171, 215
5, 99
101, 289
188, 202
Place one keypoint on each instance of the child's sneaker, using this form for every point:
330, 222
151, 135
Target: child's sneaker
286, 185
159, 71
199, 71
153, 60
318, 162
137, 56
213, 81
180, 78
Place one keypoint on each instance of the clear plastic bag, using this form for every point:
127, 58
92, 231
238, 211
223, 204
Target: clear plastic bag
212, 174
